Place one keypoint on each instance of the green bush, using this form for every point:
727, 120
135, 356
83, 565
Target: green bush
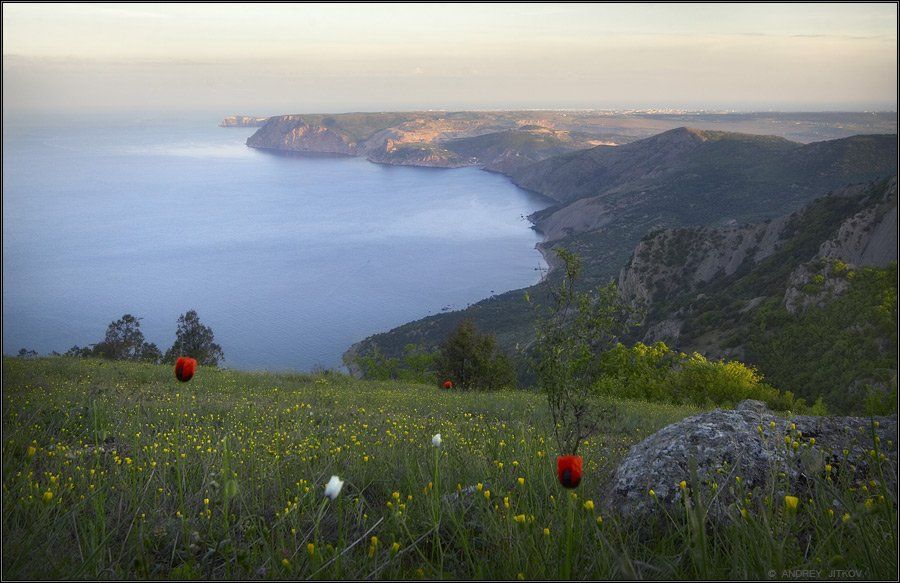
658, 373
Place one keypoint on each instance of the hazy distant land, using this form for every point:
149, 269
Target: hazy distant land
504, 140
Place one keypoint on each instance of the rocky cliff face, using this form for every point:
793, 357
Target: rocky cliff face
672, 270
868, 238
681, 261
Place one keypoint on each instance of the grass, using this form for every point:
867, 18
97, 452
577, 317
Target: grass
115, 470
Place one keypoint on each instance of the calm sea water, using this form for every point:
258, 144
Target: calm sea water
289, 260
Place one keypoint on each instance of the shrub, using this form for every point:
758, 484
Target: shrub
658, 373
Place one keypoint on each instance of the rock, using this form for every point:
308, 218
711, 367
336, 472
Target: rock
722, 444
869, 237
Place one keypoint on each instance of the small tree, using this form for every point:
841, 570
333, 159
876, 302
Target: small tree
571, 334
195, 340
123, 341
472, 360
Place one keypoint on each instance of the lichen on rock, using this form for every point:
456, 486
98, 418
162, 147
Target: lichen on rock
748, 442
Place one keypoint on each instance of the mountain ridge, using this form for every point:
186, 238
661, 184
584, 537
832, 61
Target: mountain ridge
695, 194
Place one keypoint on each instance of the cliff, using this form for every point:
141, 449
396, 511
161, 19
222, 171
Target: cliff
670, 268
782, 294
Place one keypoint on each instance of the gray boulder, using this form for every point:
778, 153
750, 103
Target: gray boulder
720, 445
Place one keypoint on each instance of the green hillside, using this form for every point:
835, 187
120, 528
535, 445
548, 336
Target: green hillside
115, 470
509, 150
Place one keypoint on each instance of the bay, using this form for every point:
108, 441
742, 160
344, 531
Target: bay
289, 259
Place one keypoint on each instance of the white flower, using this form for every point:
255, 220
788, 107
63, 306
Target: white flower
333, 487
436, 440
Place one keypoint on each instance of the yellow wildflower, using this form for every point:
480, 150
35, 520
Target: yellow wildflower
791, 502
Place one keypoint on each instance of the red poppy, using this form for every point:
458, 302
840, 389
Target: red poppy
184, 368
568, 470
448, 384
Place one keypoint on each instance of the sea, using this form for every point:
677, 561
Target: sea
289, 259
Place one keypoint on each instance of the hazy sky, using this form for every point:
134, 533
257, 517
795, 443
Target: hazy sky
267, 59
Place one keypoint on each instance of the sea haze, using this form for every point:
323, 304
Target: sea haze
289, 259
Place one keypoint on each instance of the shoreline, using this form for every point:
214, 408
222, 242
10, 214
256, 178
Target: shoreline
541, 246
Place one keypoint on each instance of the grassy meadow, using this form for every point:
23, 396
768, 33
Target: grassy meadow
114, 470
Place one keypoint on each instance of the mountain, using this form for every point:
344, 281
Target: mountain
809, 297
698, 177
609, 198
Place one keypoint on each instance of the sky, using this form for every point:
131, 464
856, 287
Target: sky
264, 59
